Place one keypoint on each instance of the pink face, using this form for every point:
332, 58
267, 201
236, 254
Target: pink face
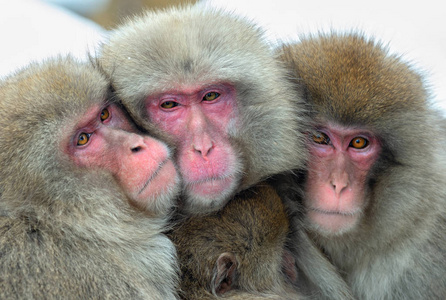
105, 139
198, 119
340, 160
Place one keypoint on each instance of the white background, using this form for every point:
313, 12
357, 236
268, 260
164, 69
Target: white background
414, 29
32, 30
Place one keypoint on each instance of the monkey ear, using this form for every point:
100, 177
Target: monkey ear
224, 273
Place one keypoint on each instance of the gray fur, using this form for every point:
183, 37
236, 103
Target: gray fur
66, 232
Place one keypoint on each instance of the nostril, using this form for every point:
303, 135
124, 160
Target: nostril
136, 149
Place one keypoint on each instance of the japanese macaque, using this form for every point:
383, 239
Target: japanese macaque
84, 197
211, 84
375, 182
239, 251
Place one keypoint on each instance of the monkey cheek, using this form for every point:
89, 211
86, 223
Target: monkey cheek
156, 193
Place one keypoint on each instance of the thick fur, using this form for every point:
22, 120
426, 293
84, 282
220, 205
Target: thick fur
398, 250
194, 45
155, 52
254, 227
66, 232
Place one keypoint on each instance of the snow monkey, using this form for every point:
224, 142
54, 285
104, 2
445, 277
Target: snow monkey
84, 197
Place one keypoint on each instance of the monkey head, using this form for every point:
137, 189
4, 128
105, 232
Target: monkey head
211, 83
62, 135
369, 120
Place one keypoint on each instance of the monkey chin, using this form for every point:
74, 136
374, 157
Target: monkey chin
206, 196
330, 223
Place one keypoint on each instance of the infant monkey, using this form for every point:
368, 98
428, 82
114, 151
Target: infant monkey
238, 251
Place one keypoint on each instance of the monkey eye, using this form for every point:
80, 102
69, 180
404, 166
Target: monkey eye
105, 114
169, 104
211, 96
83, 138
321, 138
359, 143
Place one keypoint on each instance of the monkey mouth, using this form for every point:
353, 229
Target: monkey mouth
211, 180
335, 212
216, 184
153, 176
332, 222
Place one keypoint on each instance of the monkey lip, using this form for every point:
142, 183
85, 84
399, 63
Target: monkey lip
334, 212
333, 222
212, 185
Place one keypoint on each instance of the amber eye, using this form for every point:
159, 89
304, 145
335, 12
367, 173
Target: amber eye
359, 143
105, 114
169, 104
321, 138
83, 138
211, 96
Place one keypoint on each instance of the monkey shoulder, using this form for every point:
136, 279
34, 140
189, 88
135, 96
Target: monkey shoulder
41, 261
16, 232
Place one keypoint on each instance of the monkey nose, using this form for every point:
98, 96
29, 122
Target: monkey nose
339, 183
203, 149
136, 143
136, 149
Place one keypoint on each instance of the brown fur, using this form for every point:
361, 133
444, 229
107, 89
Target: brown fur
253, 227
67, 232
398, 249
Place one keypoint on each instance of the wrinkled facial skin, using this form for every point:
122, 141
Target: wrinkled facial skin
105, 139
340, 160
198, 119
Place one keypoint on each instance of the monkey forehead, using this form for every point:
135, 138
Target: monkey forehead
185, 45
355, 80
55, 89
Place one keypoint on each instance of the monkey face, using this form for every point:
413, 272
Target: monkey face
105, 139
341, 159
